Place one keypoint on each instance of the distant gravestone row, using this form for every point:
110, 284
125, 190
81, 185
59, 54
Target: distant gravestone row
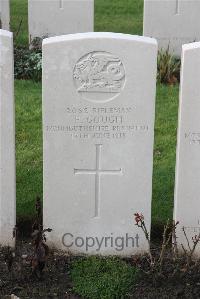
5, 14
48, 18
172, 22
58, 17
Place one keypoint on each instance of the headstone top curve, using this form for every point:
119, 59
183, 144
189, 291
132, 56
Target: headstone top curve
6, 33
109, 35
191, 46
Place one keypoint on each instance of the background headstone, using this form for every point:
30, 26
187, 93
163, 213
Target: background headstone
187, 188
172, 22
57, 17
98, 117
7, 140
5, 14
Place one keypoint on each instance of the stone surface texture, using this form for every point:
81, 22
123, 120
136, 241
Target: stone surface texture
7, 140
187, 187
98, 118
5, 14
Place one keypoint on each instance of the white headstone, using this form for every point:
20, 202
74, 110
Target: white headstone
57, 17
187, 187
7, 140
172, 22
5, 14
98, 113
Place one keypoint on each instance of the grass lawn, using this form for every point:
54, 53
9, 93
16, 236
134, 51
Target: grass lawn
19, 21
117, 16
164, 152
28, 145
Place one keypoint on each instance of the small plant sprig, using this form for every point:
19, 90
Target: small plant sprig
189, 252
174, 240
28, 64
38, 219
9, 258
168, 67
41, 251
168, 233
139, 222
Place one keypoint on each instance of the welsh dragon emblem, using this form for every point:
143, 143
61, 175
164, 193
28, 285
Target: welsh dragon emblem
99, 72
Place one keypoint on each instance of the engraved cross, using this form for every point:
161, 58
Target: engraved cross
61, 4
98, 172
177, 7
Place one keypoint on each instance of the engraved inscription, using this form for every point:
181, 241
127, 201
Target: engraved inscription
98, 172
99, 123
99, 76
195, 229
193, 138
